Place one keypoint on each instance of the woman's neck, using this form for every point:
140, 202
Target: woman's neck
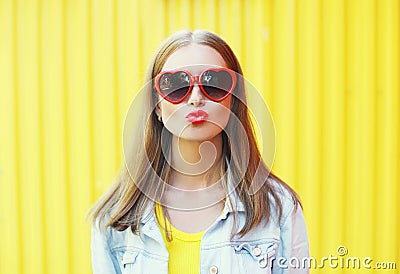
195, 163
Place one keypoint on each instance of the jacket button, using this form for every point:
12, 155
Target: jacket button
213, 269
256, 251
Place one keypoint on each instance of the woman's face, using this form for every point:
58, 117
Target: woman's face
196, 118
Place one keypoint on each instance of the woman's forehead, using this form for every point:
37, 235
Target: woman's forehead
195, 58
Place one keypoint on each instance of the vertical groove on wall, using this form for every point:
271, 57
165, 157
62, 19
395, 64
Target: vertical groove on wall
192, 15
373, 130
18, 155
42, 155
296, 129
320, 125
344, 161
396, 141
164, 10
66, 136
216, 11
90, 95
346, 170
395, 116
241, 33
117, 124
268, 26
140, 40
379, 98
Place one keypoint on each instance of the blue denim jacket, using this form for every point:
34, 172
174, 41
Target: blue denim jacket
274, 248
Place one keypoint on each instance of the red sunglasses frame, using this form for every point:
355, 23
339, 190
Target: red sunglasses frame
194, 79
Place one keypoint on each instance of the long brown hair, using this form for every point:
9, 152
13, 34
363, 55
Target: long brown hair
125, 203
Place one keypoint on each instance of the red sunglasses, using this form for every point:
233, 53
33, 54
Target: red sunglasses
215, 83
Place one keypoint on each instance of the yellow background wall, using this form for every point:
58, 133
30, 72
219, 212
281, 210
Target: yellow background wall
328, 69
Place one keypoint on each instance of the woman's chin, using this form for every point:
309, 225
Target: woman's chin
200, 132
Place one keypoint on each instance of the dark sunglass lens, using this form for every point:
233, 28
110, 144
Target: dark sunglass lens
217, 84
174, 86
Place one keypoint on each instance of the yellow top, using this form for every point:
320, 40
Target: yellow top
184, 249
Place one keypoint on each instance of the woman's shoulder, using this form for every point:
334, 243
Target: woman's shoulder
283, 190
103, 232
101, 222
282, 195
112, 226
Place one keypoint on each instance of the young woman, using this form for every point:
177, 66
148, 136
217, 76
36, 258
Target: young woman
194, 194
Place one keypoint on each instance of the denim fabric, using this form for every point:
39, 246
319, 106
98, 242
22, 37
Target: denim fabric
258, 251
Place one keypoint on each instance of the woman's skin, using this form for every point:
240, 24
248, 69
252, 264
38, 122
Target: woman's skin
190, 170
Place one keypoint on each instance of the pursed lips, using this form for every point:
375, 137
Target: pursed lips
197, 116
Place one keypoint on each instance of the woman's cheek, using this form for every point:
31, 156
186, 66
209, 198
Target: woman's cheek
173, 118
221, 113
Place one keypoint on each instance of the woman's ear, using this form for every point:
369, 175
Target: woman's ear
157, 110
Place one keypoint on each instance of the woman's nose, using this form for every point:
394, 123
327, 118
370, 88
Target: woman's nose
196, 97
